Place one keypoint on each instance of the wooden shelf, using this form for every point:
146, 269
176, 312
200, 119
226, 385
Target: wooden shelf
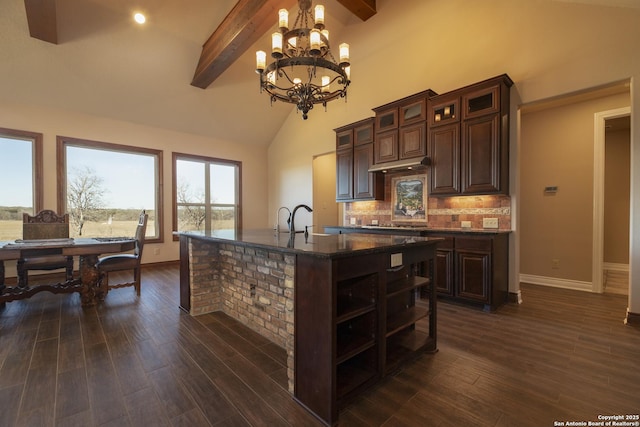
405, 345
355, 373
406, 284
352, 345
347, 310
373, 316
399, 321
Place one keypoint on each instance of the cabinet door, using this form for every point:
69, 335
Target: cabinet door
443, 110
344, 174
481, 102
344, 139
473, 275
413, 112
365, 183
444, 145
444, 271
386, 146
386, 119
363, 134
481, 155
413, 141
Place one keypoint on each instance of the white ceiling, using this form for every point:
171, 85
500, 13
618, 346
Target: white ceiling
106, 65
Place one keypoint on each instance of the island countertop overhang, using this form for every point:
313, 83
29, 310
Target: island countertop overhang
319, 245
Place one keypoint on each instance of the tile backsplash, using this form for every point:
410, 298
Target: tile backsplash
442, 212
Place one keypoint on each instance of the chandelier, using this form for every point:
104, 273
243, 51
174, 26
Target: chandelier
304, 72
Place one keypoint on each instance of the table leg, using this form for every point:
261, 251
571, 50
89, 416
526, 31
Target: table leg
90, 293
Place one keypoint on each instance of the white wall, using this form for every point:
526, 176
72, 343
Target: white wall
548, 48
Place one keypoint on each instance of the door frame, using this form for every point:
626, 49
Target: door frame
598, 193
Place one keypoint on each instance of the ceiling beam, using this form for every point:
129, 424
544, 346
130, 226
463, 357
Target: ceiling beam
42, 20
363, 9
247, 22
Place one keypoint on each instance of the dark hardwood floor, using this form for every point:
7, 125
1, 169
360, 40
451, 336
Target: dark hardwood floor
561, 356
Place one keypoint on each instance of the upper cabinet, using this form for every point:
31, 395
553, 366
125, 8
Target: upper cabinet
401, 131
469, 139
354, 156
464, 133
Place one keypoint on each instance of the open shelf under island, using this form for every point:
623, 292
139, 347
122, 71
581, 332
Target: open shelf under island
348, 308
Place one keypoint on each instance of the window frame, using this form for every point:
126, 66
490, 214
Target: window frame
198, 158
61, 167
37, 162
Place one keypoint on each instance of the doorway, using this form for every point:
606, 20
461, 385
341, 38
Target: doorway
617, 207
325, 208
611, 229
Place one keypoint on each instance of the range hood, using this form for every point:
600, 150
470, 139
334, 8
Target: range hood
401, 165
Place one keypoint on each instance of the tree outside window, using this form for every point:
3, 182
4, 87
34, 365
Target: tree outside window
105, 186
206, 194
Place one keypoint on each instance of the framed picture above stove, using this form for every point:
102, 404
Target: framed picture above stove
409, 199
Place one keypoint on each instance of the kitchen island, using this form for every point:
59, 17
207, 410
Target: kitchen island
347, 308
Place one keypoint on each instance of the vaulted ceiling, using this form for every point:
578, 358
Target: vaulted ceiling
190, 68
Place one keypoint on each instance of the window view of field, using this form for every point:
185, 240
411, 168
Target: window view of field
107, 223
101, 203
206, 195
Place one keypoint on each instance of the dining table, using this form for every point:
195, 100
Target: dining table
88, 283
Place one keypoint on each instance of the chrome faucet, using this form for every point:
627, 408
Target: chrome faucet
292, 228
278, 219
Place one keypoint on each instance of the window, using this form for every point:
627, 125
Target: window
21, 179
105, 186
206, 194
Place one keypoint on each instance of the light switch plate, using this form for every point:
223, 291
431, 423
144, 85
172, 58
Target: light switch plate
396, 259
490, 222
352, 221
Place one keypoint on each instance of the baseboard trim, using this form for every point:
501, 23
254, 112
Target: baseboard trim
632, 319
515, 297
555, 282
615, 266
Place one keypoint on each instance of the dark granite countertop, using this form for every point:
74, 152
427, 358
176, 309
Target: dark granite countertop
415, 230
318, 244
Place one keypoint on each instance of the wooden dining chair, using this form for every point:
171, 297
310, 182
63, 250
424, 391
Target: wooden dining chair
125, 261
45, 224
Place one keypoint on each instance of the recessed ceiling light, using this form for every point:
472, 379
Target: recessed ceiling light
139, 18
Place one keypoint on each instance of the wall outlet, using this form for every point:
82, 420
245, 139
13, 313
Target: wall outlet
465, 224
156, 251
352, 221
374, 222
555, 263
490, 223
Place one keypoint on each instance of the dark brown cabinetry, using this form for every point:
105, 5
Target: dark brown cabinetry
358, 318
401, 128
354, 156
469, 139
474, 269
470, 267
444, 267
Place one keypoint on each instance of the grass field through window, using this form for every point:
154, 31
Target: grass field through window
12, 230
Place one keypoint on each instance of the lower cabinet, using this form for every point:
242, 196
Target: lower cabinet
474, 269
444, 267
470, 267
358, 319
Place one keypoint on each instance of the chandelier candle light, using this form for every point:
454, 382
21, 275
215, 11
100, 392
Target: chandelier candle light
304, 70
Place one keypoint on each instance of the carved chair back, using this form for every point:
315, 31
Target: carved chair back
45, 224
